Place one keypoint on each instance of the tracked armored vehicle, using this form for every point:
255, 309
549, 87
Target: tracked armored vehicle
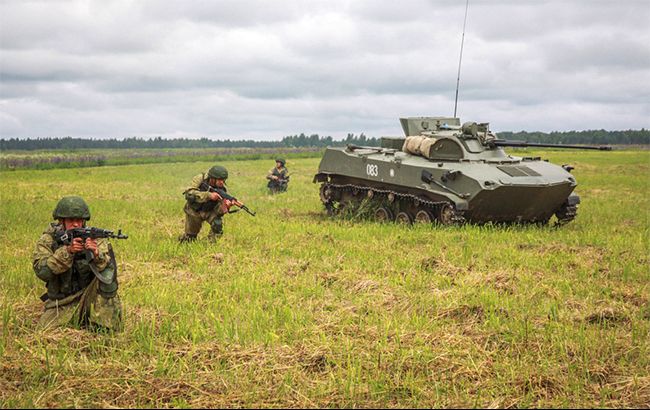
445, 172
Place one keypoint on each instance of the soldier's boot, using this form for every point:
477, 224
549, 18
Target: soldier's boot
216, 230
186, 237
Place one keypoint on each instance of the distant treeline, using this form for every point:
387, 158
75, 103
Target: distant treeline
291, 141
314, 140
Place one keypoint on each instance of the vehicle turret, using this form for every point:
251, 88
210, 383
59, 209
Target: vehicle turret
469, 141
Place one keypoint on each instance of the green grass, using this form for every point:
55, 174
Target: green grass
57, 159
291, 308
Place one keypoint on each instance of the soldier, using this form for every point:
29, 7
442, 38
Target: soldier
74, 293
203, 205
278, 177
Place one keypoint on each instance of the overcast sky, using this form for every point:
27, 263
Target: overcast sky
265, 69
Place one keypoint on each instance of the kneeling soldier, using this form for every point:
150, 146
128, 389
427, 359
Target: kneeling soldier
72, 269
278, 177
204, 205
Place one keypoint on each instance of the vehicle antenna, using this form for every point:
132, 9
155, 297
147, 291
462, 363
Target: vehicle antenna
460, 58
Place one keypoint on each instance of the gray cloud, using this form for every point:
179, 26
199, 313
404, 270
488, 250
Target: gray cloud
257, 69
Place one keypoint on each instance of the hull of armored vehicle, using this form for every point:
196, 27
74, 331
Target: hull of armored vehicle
518, 191
460, 178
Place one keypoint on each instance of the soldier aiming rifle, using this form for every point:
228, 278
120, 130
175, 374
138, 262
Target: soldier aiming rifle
78, 265
208, 201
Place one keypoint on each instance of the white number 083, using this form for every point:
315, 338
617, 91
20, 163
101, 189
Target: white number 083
372, 170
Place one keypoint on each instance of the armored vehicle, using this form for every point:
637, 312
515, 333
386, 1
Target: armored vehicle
445, 172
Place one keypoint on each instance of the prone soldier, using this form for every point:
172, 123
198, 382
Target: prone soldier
80, 275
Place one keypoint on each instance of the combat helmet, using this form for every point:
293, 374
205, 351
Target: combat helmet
218, 172
281, 161
71, 207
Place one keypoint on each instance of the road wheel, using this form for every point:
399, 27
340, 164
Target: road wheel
383, 214
446, 215
326, 193
423, 217
404, 218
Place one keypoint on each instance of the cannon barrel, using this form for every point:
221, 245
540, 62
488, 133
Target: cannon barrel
523, 144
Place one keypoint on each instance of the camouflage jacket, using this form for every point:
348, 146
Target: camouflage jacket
283, 173
199, 198
65, 273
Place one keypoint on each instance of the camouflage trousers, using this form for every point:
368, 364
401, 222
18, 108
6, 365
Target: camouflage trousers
277, 186
194, 221
86, 308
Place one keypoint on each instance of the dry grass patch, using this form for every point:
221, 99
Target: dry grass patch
441, 266
607, 316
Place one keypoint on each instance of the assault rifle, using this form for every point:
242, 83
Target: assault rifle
67, 237
227, 196
281, 178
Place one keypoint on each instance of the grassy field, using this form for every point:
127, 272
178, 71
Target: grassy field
55, 159
293, 309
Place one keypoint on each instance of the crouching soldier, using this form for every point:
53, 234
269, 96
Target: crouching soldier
80, 275
205, 205
278, 177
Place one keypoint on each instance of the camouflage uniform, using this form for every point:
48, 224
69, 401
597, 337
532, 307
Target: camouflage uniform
278, 185
74, 295
200, 208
